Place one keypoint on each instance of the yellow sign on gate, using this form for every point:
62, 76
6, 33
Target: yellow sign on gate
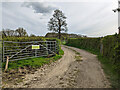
35, 47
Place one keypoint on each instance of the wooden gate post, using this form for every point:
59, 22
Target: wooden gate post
35, 52
6, 67
47, 52
55, 46
101, 47
3, 52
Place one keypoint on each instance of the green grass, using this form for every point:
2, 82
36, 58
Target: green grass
61, 52
107, 66
78, 58
109, 71
33, 62
63, 42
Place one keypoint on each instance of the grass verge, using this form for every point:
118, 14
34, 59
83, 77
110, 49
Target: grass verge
33, 62
112, 75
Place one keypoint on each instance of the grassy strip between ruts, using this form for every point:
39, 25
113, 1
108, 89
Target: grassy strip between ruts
33, 62
106, 65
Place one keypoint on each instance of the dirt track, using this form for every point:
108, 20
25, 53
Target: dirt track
69, 72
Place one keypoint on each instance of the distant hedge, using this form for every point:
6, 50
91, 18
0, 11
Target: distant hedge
24, 39
85, 43
111, 47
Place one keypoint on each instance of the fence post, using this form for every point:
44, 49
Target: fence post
101, 47
35, 52
3, 51
55, 46
35, 49
6, 67
47, 48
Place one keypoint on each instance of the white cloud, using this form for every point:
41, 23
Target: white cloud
39, 7
59, 1
90, 18
0, 17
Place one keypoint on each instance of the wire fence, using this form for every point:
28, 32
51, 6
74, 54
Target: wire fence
24, 50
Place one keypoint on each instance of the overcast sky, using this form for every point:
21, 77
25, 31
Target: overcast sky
86, 18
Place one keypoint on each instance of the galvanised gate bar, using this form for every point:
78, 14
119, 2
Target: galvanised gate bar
24, 50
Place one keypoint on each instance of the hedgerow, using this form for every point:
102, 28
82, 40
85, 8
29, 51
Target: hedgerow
24, 39
85, 43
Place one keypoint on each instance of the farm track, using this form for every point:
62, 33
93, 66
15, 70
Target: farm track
68, 72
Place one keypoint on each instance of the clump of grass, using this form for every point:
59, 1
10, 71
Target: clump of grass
78, 58
63, 42
61, 52
77, 53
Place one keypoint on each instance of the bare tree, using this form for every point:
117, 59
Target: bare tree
8, 32
58, 22
21, 32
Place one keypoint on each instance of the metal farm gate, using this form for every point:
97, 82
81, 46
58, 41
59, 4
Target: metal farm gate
23, 50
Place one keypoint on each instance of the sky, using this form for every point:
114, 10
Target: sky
94, 19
